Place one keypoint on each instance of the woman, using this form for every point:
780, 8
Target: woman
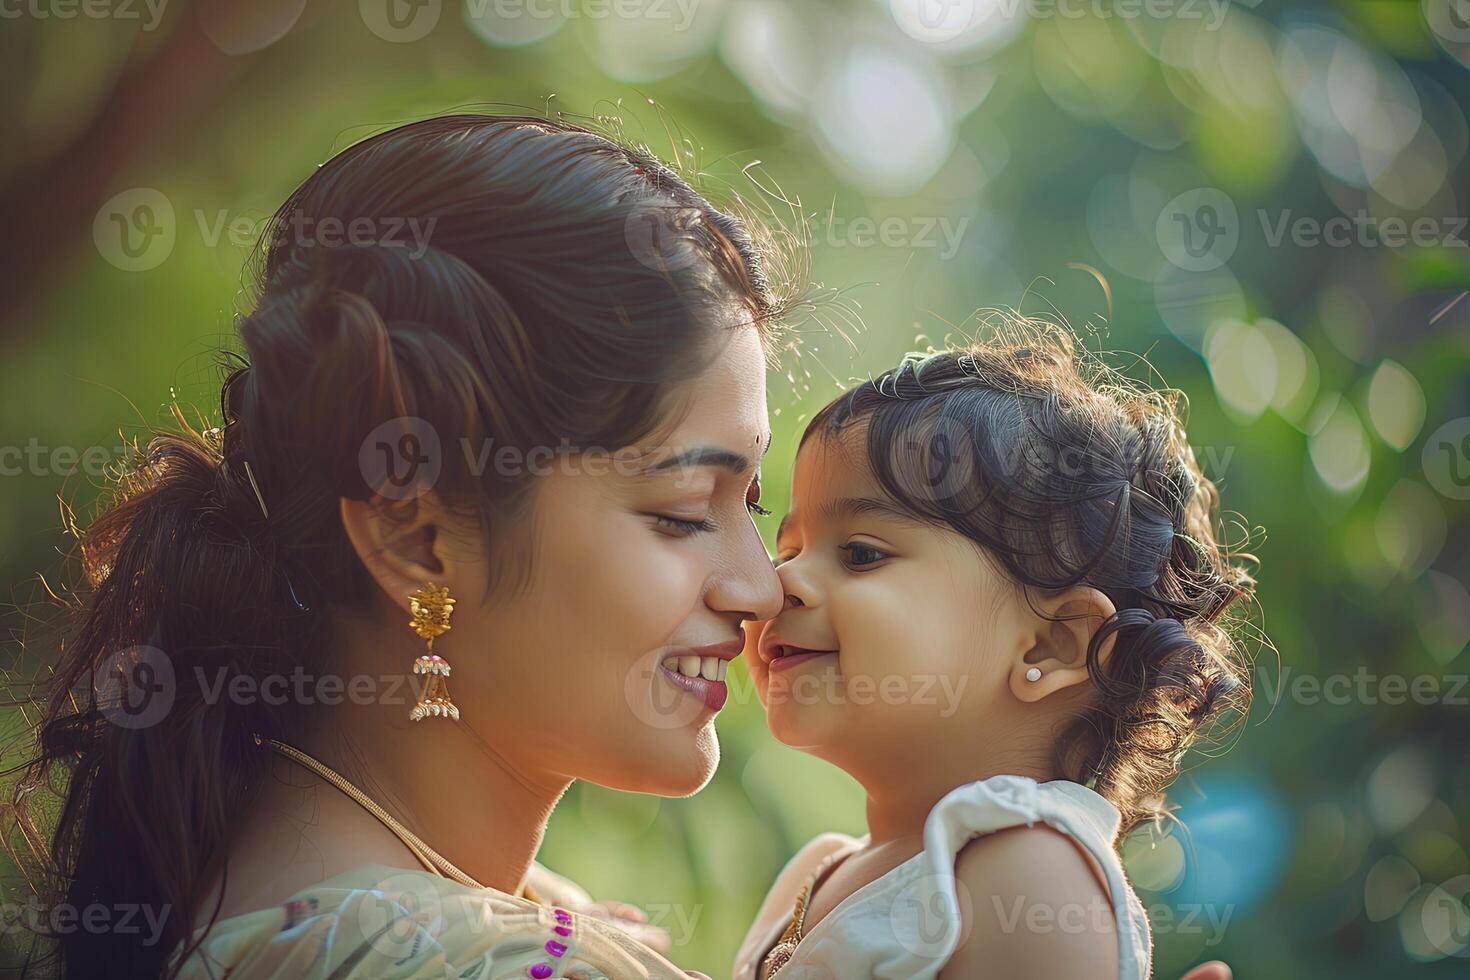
522, 449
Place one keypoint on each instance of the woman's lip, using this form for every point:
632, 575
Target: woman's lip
728, 650
712, 693
792, 659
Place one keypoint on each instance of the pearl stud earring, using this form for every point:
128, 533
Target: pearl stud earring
1034, 674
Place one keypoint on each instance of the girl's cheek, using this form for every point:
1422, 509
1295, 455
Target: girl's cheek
751, 656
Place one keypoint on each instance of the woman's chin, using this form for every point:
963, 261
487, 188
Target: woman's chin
681, 764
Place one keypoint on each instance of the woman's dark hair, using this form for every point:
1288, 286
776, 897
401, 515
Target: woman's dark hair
1068, 474
489, 281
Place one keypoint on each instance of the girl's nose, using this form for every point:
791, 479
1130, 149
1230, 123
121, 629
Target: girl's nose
798, 584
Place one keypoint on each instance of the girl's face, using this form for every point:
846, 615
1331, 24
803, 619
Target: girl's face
893, 634
631, 566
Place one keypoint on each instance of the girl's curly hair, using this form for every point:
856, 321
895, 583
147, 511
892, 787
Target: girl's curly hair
1069, 474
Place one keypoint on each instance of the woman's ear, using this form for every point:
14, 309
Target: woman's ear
405, 543
1055, 655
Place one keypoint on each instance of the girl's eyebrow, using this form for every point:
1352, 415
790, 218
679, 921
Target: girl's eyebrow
854, 506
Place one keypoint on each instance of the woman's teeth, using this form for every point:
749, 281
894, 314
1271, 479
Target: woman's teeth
710, 668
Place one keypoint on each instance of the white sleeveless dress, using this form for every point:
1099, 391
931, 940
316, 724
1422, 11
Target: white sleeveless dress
906, 924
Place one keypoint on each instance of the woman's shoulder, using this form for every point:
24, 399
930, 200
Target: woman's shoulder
381, 922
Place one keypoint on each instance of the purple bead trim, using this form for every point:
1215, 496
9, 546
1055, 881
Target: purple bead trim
541, 971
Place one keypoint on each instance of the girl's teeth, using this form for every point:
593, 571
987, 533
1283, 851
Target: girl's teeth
710, 668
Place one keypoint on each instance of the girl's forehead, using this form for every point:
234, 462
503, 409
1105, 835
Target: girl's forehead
832, 455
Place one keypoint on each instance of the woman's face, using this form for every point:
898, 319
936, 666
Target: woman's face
644, 563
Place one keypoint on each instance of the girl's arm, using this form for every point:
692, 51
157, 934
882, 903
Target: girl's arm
1032, 907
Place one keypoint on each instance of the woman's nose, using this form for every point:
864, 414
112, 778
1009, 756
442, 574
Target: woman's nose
748, 584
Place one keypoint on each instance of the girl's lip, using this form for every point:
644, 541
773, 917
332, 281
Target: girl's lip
712, 693
792, 659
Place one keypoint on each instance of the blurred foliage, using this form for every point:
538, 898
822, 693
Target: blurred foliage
1126, 165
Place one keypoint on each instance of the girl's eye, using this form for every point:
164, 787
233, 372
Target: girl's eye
683, 526
859, 555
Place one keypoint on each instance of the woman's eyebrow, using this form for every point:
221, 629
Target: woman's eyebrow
717, 456
726, 459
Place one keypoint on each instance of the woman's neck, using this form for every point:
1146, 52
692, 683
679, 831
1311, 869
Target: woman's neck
469, 803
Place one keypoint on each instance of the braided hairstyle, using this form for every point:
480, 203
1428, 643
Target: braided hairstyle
489, 281
1067, 474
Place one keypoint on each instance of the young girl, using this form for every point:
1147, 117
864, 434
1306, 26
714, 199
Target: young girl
1003, 612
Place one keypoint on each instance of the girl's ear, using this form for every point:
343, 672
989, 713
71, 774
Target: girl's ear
1054, 655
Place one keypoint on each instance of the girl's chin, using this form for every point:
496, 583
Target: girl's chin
793, 726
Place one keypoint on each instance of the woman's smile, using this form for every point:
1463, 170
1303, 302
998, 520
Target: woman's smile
700, 671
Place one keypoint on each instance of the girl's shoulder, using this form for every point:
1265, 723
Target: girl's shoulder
1001, 802
1016, 885
380, 922
911, 920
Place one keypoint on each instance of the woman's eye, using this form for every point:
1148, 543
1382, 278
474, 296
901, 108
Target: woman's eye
682, 525
753, 498
859, 555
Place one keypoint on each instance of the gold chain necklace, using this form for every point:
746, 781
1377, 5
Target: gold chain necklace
785, 947
431, 859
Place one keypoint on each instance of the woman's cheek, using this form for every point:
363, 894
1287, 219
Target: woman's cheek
661, 590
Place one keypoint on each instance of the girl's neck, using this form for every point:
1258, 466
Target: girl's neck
899, 802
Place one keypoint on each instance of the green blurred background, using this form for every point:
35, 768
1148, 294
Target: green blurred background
1160, 173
